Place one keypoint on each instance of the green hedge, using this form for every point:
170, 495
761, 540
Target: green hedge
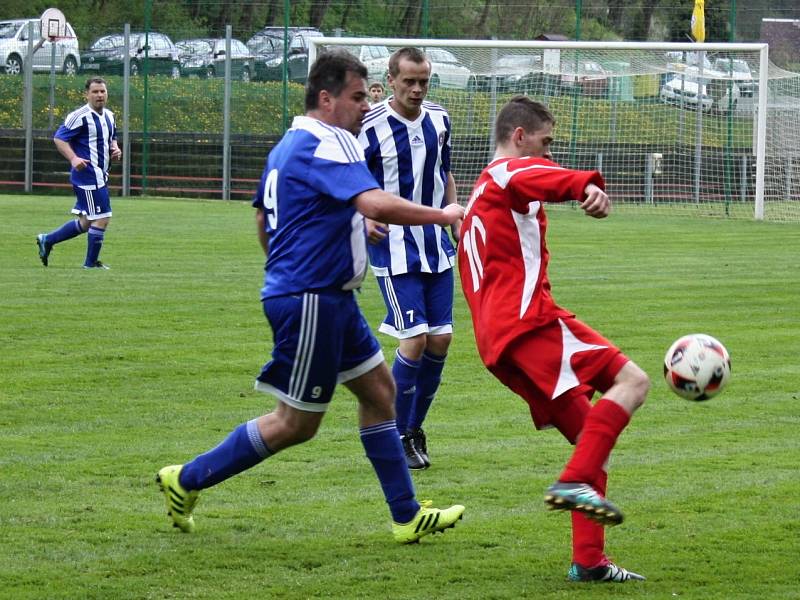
180, 105
195, 105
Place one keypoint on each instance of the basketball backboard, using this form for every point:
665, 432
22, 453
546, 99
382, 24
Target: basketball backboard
54, 24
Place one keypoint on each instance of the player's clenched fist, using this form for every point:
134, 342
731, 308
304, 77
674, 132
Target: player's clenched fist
452, 213
597, 204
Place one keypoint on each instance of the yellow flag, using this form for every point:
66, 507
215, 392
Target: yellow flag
699, 21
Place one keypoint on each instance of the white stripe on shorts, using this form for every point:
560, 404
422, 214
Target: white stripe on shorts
305, 346
398, 313
90, 207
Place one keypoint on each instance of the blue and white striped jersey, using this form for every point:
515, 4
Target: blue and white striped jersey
317, 240
89, 134
410, 159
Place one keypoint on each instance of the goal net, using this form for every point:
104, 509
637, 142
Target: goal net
675, 128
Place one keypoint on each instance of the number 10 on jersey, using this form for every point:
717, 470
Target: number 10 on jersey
476, 228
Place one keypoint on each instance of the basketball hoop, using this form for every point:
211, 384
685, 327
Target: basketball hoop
53, 25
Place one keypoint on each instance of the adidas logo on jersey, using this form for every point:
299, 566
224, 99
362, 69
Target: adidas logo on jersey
417, 141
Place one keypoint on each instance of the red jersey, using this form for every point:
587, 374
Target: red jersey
502, 255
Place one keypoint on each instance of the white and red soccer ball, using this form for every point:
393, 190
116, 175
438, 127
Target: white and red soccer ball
697, 367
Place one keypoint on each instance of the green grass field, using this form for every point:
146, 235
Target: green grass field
107, 376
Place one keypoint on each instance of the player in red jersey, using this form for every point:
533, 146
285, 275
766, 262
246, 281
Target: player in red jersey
535, 347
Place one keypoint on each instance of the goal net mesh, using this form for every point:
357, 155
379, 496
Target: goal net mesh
671, 131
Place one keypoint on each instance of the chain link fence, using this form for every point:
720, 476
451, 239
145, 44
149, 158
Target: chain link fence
202, 95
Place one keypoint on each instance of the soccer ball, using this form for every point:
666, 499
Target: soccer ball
697, 367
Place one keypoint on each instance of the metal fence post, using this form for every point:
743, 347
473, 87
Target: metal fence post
226, 119
698, 127
126, 118
52, 80
27, 111
148, 13
743, 179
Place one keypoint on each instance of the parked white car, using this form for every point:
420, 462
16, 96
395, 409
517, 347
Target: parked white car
713, 93
14, 49
375, 58
447, 72
739, 71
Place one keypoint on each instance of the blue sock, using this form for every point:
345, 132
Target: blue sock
93, 245
242, 449
428, 380
67, 231
385, 452
405, 373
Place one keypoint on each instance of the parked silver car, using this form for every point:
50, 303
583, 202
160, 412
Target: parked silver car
107, 55
447, 72
14, 48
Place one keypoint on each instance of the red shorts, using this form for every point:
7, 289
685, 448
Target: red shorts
556, 364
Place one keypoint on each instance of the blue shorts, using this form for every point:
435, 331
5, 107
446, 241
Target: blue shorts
95, 204
320, 339
417, 303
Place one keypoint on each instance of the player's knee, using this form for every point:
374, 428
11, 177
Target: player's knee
438, 344
385, 391
639, 384
413, 347
294, 427
632, 385
299, 432
304, 435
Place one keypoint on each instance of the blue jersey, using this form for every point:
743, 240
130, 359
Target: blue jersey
410, 159
317, 240
89, 134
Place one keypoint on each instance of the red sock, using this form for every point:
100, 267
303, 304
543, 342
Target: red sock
603, 425
588, 537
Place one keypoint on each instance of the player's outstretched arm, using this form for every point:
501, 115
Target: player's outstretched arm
596, 204
382, 206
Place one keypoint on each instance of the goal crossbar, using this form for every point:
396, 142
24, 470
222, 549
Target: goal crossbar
726, 164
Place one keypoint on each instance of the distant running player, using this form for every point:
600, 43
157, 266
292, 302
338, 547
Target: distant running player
88, 140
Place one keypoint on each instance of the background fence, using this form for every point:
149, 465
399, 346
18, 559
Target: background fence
181, 139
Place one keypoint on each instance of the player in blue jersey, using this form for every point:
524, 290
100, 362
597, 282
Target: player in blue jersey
406, 140
88, 140
314, 194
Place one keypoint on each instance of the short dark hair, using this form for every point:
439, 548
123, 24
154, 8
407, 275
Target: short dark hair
523, 112
329, 72
92, 80
413, 54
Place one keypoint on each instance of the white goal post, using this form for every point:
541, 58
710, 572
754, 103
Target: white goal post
674, 127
